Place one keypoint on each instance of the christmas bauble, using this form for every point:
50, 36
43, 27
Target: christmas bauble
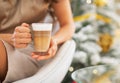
105, 41
100, 3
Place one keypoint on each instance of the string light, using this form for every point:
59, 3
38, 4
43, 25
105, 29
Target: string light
88, 1
71, 69
95, 71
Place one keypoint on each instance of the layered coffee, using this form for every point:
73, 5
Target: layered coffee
42, 40
41, 36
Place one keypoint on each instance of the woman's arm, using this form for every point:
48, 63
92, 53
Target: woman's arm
7, 38
63, 12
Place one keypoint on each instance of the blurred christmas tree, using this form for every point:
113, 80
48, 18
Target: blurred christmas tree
96, 34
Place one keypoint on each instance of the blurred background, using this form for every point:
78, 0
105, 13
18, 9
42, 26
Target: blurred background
97, 34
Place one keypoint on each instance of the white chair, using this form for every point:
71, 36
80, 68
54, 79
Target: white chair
55, 71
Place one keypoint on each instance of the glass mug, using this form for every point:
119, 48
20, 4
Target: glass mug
41, 36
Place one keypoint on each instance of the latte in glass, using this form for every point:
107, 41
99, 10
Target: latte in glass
41, 36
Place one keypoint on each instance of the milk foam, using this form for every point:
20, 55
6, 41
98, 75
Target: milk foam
42, 26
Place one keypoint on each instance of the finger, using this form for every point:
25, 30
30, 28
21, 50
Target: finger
25, 25
20, 45
21, 35
22, 40
44, 57
40, 56
35, 56
51, 43
51, 46
50, 51
54, 50
54, 47
22, 29
40, 53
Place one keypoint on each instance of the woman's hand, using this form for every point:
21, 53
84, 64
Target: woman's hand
21, 36
49, 54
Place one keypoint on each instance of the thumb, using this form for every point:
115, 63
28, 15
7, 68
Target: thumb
25, 25
51, 42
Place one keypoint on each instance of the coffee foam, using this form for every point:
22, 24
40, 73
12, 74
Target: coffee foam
42, 26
